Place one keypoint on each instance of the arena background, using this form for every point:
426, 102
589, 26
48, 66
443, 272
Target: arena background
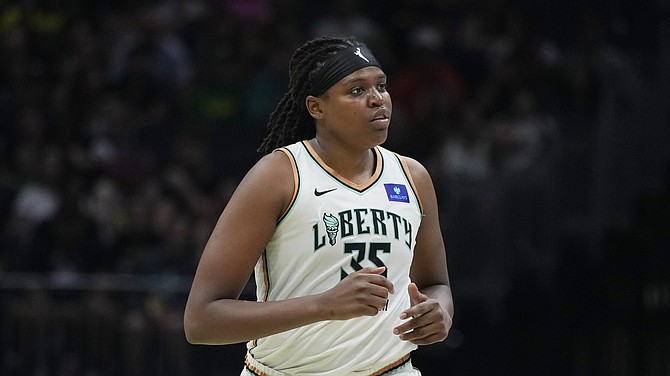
125, 125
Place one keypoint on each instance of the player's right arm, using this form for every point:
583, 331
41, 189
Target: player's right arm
215, 315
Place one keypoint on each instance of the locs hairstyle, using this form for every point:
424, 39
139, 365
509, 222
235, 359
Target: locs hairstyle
290, 122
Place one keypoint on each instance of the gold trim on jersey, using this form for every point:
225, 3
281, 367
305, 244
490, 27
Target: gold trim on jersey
405, 169
379, 167
266, 293
296, 182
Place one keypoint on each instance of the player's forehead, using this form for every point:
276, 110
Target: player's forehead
362, 75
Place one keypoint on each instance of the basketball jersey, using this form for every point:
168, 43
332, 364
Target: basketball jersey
332, 228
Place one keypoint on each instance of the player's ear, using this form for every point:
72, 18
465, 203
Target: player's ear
313, 105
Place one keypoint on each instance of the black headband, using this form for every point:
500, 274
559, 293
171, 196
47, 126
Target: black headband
341, 65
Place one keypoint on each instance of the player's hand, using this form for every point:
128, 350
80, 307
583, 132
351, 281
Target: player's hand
362, 293
428, 320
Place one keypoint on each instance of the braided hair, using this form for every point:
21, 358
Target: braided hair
290, 122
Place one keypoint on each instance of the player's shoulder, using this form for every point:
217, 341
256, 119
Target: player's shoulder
418, 174
274, 165
269, 184
414, 167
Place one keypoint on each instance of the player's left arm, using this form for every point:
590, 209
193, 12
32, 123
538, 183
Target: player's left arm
429, 318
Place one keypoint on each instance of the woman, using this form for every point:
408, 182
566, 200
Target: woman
342, 234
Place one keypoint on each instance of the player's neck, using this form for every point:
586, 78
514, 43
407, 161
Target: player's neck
356, 166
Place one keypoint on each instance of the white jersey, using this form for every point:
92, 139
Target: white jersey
334, 227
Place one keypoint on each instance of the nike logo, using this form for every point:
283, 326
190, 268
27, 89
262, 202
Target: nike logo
319, 193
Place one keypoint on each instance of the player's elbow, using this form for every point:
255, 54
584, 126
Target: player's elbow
194, 330
191, 337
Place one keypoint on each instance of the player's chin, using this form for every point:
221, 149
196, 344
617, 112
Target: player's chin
380, 136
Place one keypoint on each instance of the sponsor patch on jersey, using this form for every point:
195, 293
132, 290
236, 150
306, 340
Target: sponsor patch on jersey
397, 192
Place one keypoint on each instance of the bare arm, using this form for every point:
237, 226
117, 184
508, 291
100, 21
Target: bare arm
215, 315
432, 308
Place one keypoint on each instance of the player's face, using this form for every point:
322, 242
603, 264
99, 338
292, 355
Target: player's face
357, 109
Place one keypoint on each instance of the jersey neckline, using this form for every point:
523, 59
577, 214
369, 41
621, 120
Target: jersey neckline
379, 167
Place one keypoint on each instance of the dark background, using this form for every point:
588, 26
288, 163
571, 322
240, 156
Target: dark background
125, 125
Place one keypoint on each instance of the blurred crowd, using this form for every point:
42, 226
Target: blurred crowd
125, 126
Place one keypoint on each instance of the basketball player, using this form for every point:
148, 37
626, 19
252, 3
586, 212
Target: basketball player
342, 234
